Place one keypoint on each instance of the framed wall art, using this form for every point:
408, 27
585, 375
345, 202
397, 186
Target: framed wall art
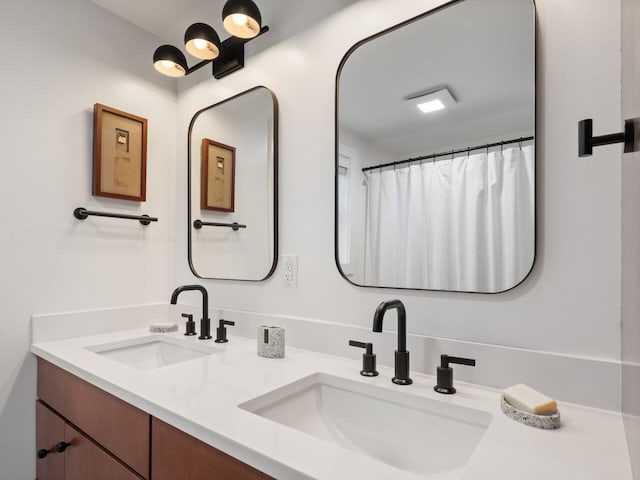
119, 154
217, 176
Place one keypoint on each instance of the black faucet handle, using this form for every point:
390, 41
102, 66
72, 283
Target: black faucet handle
368, 358
445, 360
444, 373
221, 331
367, 346
190, 326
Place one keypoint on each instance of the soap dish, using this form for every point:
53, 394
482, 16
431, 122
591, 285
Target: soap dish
163, 327
546, 422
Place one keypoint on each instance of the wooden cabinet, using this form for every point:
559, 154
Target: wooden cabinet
80, 458
49, 431
176, 455
119, 427
112, 440
85, 460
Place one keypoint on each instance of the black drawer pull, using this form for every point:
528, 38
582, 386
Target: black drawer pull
62, 446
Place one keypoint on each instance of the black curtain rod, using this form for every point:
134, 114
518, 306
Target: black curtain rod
446, 154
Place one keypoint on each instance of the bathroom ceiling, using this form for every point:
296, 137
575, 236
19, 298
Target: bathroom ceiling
168, 19
457, 48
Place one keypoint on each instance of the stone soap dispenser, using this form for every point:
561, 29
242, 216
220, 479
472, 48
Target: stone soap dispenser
270, 341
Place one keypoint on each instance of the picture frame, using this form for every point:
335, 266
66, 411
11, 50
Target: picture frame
217, 190
119, 154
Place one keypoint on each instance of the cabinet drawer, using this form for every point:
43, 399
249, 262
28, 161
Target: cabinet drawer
177, 455
117, 426
84, 460
49, 432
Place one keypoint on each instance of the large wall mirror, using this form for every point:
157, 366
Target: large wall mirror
233, 189
435, 163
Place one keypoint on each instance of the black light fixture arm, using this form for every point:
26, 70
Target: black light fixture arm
198, 66
231, 56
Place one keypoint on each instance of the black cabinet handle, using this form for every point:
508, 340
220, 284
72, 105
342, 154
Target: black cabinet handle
43, 452
62, 446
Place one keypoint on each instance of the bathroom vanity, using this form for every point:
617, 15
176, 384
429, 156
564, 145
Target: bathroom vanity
92, 434
134, 404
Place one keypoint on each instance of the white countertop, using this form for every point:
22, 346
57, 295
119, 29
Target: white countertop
201, 397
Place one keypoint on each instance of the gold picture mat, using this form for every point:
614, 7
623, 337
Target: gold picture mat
120, 154
217, 176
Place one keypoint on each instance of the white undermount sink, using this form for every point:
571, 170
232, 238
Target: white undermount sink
427, 437
152, 351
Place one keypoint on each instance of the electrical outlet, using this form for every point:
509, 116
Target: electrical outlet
290, 271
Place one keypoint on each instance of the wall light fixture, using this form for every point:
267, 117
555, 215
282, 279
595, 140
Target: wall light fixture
241, 18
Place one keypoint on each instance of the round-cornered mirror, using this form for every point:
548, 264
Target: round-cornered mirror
435, 159
233, 189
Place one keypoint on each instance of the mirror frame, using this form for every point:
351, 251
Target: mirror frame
398, 26
275, 185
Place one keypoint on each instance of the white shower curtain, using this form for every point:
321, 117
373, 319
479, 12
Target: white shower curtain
465, 224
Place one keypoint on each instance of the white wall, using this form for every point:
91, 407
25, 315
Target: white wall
59, 59
361, 152
571, 301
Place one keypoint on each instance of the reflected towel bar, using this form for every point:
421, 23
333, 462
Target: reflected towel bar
82, 214
198, 224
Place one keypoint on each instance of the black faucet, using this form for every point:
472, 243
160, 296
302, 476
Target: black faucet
221, 331
205, 324
402, 355
445, 373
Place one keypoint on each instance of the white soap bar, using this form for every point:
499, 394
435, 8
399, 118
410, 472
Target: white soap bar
163, 327
525, 398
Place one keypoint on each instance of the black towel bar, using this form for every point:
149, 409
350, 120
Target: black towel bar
82, 214
198, 224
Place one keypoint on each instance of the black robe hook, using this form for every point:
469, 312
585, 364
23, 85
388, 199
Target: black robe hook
586, 140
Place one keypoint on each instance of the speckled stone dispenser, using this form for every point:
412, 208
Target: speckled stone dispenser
270, 341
